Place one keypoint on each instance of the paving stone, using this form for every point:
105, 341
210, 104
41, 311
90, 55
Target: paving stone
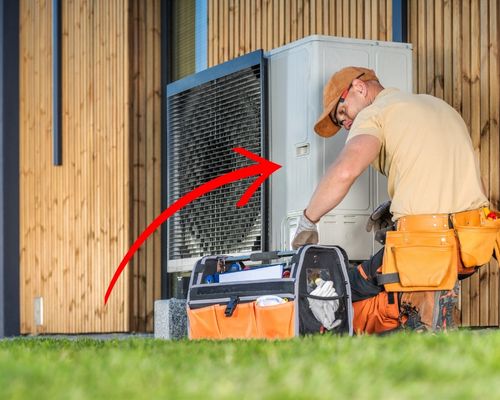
170, 318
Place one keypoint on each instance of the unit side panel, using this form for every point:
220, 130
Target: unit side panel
297, 77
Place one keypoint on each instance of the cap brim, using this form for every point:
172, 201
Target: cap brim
324, 125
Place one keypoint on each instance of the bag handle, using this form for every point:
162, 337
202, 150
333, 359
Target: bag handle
262, 256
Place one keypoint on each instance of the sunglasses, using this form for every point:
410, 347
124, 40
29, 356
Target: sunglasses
342, 98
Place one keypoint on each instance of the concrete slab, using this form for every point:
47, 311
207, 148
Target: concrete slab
170, 318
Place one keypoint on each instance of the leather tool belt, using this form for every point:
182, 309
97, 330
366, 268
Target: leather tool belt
427, 251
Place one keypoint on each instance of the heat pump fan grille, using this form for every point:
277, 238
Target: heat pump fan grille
205, 123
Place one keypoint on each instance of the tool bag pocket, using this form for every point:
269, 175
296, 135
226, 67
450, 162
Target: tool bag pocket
420, 261
211, 322
275, 322
325, 298
203, 323
478, 237
248, 321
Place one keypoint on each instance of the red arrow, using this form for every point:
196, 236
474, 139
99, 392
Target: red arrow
264, 168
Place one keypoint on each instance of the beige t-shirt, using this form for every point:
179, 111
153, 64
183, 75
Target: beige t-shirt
426, 153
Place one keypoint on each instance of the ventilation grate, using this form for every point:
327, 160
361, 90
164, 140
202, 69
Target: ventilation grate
205, 122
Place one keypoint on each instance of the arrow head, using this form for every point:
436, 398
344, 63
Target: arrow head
264, 168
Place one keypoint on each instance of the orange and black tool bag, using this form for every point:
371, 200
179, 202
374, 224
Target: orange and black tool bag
231, 310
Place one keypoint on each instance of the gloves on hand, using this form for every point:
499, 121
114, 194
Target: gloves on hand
380, 221
306, 233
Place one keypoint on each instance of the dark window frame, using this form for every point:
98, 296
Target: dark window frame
9, 169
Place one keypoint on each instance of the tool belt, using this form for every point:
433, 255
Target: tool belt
427, 251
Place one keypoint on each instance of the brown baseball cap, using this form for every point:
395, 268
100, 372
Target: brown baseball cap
339, 82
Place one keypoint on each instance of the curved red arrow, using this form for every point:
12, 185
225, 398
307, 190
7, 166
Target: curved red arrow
264, 168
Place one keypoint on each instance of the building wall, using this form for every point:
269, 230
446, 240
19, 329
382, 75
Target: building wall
79, 219
455, 47
456, 58
75, 218
146, 158
236, 27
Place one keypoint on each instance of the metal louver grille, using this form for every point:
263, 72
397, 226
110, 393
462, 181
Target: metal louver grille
205, 122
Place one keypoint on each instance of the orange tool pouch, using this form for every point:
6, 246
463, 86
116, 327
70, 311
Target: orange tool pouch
247, 321
425, 254
420, 255
479, 237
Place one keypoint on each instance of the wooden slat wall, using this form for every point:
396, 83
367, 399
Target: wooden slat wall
455, 45
146, 154
456, 58
236, 27
74, 222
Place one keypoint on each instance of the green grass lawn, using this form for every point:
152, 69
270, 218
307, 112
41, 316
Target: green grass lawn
463, 364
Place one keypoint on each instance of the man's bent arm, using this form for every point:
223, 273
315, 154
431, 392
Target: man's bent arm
356, 156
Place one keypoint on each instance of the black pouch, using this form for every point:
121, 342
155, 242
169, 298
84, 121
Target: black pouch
328, 263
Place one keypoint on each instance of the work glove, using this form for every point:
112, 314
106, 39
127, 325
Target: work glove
306, 233
381, 221
324, 310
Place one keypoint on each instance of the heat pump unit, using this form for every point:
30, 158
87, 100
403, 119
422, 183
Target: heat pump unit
209, 114
268, 103
297, 74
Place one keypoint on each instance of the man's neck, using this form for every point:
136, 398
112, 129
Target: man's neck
373, 92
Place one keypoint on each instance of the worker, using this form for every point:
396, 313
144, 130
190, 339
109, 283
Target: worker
422, 145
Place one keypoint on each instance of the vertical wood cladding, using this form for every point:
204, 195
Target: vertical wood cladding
145, 268
455, 47
78, 220
237, 27
75, 217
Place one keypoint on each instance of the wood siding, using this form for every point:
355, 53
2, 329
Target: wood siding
455, 57
146, 154
236, 27
74, 222
79, 219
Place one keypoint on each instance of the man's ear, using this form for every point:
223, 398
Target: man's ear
360, 87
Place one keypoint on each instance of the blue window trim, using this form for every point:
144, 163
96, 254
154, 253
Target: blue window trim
201, 37
56, 84
399, 21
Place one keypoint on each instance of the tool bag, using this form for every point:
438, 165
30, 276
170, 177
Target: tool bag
313, 291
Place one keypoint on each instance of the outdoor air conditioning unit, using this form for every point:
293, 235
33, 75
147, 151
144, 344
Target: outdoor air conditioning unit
268, 103
297, 74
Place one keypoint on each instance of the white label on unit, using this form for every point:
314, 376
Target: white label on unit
38, 311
